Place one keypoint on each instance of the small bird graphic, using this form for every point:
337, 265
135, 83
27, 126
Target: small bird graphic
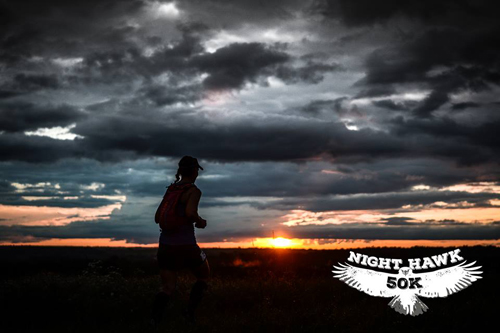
405, 286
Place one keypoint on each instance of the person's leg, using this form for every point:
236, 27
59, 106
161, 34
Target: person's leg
202, 274
168, 279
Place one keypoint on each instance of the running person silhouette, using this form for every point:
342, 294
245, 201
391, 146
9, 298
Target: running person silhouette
178, 248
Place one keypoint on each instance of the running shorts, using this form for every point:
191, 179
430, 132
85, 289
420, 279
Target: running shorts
176, 257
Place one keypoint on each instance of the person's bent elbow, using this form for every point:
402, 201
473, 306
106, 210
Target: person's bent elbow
193, 217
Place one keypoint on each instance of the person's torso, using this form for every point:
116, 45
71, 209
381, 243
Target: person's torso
184, 234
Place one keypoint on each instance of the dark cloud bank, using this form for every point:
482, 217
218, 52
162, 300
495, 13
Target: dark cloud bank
131, 85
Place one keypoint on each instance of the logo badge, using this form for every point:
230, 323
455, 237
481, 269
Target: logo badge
406, 285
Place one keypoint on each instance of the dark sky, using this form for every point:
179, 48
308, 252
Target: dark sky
353, 119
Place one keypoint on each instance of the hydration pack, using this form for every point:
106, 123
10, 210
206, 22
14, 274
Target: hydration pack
167, 214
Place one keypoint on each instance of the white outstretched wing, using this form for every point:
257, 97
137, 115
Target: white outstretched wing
447, 281
371, 282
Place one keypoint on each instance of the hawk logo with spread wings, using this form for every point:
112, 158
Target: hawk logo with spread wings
406, 286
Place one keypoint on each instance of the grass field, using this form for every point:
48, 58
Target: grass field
56, 289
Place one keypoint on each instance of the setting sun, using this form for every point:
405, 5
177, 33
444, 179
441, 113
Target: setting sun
281, 242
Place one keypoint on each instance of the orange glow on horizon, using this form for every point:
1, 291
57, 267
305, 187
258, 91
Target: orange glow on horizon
99, 242
331, 244
279, 242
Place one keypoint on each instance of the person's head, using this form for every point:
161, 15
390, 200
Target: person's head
188, 169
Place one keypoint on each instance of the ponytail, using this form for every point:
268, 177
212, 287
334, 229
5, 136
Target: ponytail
185, 173
177, 177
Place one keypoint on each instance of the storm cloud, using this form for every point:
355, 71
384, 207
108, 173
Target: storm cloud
320, 107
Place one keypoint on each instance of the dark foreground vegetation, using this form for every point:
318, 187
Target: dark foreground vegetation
66, 289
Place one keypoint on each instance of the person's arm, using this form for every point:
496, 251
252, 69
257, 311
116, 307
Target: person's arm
192, 206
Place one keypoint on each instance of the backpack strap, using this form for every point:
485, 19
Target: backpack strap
180, 187
166, 203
